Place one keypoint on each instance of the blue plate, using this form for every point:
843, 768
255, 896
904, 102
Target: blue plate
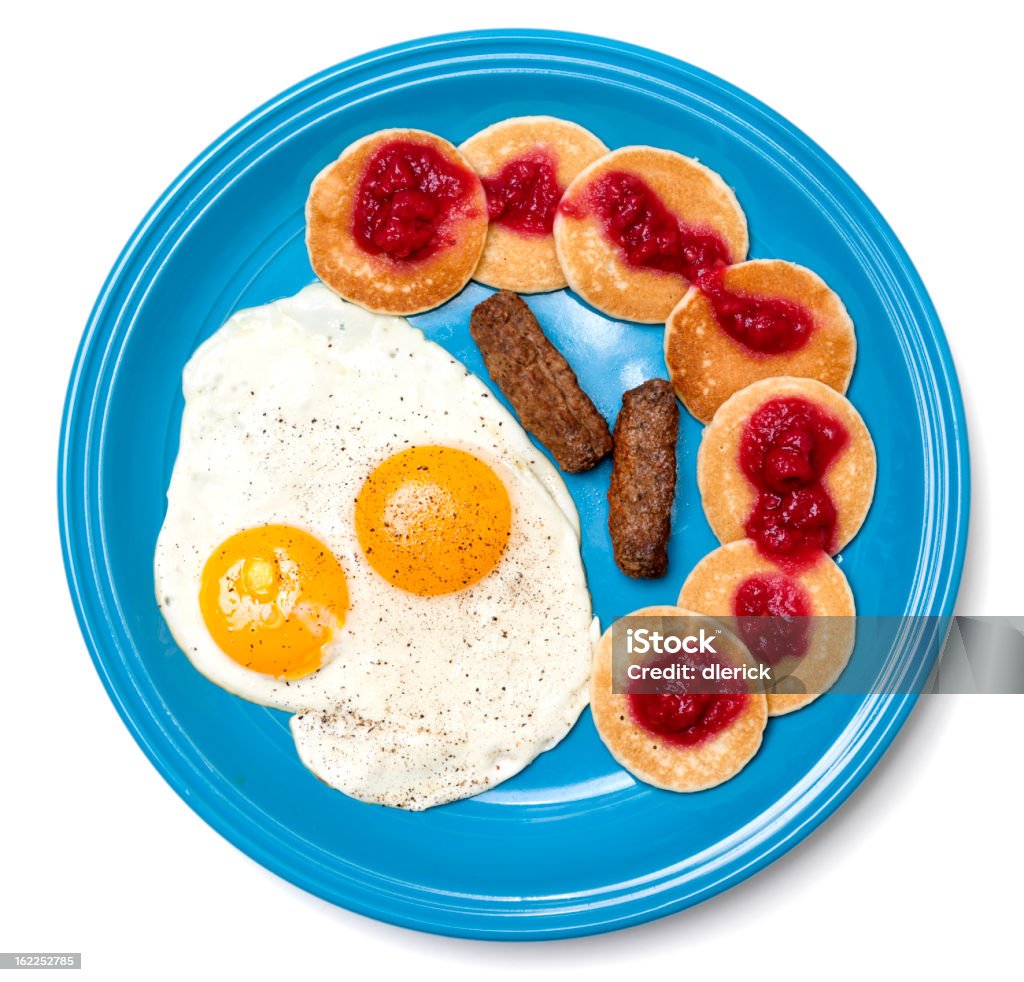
573, 845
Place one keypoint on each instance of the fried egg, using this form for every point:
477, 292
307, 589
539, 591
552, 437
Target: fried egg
358, 532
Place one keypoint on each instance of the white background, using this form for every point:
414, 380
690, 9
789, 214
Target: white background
104, 104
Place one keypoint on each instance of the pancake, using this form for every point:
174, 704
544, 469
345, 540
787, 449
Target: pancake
818, 591
660, 204
542, 155
397, 223
708, 363
654, 759
732, 502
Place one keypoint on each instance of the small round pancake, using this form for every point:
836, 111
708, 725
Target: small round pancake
707, 365
512, 260
670, 765
374, 279
712, 586
728, 496
596, 267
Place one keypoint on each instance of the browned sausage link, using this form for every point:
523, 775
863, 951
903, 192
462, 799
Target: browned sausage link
539, 383
643, 483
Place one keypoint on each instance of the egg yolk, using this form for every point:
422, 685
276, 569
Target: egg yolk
433, 520
272, 597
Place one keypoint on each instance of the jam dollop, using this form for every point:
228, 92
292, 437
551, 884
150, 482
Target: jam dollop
646, 232
686, 718
404, 199
786, 448
766, 325
771, 611
524, 194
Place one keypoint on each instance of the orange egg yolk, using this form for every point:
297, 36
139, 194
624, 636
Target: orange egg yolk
272, 597
433, 520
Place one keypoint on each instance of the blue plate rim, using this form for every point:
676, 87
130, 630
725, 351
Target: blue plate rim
875, 726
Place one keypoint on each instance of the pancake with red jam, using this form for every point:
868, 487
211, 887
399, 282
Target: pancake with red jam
789, 463
525, 165
799, 622
758, 319
638, 226
677, 738
397, 223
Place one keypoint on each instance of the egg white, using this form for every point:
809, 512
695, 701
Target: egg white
288, 408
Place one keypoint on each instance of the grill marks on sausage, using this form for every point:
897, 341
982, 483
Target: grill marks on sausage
643, 482
539, 383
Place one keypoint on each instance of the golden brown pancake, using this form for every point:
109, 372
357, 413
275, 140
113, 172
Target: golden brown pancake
370, 276
712, 587
596, 266
707, 365
657, 761
512, 260
729, 497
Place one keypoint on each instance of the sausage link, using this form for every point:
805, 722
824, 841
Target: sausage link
539, 383
643, 483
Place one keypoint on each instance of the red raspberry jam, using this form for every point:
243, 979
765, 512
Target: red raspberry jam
648, 235
405, 198
785, 449
771, 609
686, 718
765, 325
523, 196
